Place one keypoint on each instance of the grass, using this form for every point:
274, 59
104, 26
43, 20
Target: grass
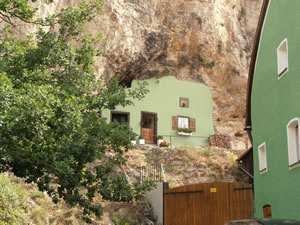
207, 152
118, 221
195, 153
12, 202
23, 204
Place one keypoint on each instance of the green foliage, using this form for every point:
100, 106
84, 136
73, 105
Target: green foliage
151, 215
184, 130
164, 144
12, 202
118, 221
51, 104
141, 137
160, 137
206, 64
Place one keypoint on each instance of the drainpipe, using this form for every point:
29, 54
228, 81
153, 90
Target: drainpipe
249, 129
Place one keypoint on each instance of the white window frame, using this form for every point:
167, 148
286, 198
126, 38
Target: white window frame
183, 122
262, 158
282, 58
293, 138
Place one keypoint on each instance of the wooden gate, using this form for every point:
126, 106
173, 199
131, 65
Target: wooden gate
208, 204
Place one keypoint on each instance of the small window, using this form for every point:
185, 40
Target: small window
120, 117
293, 143
282, 58
184, 102
267, 211
262, 158
183, 122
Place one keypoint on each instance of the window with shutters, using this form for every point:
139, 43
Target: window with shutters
183, 122
262, 158
293, 143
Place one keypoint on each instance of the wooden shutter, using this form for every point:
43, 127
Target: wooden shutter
193, 124
174, 122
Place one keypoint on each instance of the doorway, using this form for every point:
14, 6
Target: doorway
149, 127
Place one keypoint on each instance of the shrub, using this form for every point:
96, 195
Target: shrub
117, 221
141, 137
160, 137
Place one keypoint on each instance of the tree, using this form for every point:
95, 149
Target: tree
51, 104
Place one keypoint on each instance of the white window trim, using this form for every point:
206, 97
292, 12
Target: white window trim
262, 170
180, 122
293, 152
281, 72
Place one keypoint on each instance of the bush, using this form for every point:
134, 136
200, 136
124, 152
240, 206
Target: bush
160, 137
12, 202
117, 221
141, 137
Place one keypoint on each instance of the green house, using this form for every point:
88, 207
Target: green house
273, 110
170, 104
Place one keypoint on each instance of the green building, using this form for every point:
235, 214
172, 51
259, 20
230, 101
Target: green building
273, 110
170, 104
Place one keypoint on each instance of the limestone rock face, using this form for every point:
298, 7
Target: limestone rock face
208, 41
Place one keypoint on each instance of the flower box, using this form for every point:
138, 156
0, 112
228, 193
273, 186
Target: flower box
141, 141
184, 134
164, 144
159, 141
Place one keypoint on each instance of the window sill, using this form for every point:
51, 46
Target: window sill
263, 171
294, 165
282, 73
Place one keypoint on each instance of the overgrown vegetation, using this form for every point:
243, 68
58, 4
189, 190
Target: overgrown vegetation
118, 221
12, 202
190, 165
202, 62
51, 105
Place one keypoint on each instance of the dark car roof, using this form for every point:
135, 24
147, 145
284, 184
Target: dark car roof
264, 222
279, 221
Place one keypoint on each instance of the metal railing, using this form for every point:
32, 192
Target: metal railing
176, 136
154, 172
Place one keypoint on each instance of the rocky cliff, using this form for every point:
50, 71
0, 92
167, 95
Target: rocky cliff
206, 41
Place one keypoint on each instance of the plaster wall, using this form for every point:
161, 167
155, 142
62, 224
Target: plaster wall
163, 99
156, 199
274, 103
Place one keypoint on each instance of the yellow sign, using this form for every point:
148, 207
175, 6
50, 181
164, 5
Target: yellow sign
213, 189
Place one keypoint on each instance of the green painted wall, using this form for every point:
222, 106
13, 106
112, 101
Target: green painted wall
163, 99
274, 103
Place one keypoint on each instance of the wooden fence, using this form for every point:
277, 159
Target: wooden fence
208, 204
